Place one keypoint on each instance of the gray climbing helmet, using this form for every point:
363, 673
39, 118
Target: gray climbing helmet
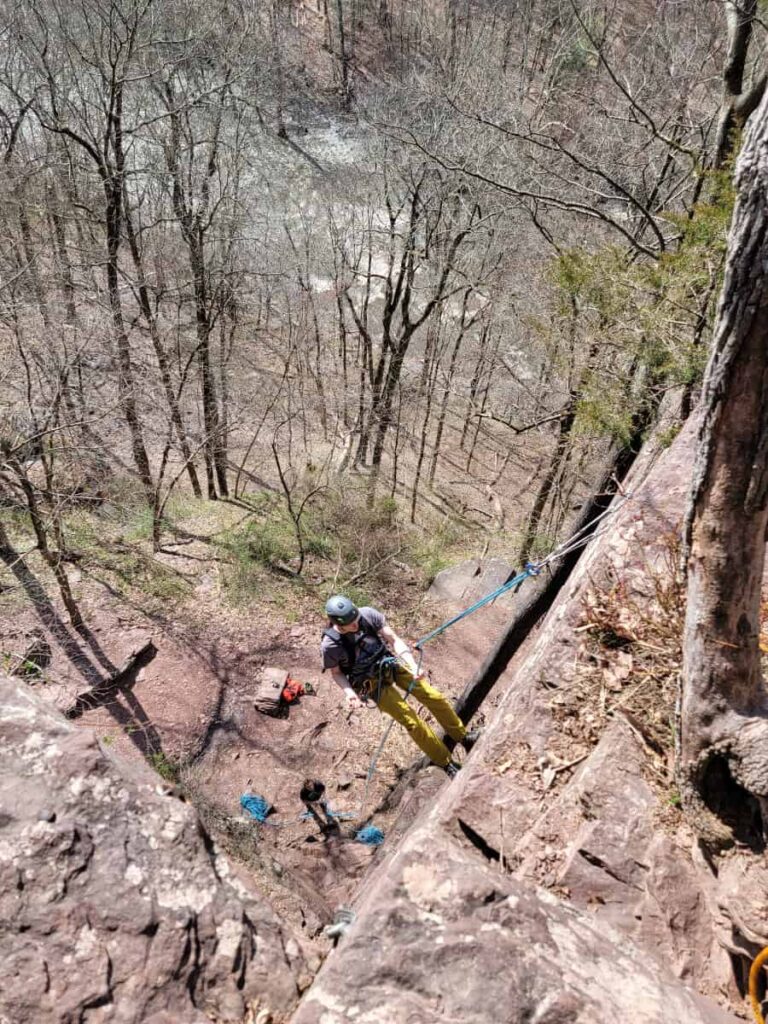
341, 609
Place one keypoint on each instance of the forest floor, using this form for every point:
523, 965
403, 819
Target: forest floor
189, 709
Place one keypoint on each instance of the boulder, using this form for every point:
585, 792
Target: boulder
467, 582
447, 936
116, 906
600, 842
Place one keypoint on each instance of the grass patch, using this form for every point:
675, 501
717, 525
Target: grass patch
85, 534
436, 550
166, 767
137, 524
104, 545
17, 526
370, 552
139, 572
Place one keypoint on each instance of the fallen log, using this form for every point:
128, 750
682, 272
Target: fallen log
87, 700
140, 655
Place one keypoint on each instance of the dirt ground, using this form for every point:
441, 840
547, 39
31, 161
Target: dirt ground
189, 709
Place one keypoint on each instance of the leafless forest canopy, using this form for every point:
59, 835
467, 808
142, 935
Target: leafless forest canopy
453, 254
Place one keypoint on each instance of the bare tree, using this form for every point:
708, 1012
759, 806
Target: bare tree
193, 170
92, 119
429, 228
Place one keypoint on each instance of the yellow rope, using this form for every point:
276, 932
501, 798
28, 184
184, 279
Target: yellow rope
754, 971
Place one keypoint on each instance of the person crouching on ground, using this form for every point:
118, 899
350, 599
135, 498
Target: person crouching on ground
368, 660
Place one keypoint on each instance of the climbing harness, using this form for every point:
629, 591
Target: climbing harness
363, 652
754, 974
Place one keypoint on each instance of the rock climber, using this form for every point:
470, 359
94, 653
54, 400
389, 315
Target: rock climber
369, 661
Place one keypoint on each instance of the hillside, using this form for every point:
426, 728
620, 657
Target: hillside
366, 365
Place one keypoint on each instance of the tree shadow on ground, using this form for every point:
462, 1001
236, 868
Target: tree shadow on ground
119, 700
73, 643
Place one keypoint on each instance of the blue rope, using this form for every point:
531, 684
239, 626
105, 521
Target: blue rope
256, 807
531, 569
330, 813
370, 836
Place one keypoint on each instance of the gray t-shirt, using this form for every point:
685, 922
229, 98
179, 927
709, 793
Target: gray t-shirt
332, 651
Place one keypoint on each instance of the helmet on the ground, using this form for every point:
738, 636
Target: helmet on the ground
341, 609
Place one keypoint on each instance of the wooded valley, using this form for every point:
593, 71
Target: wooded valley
303, 297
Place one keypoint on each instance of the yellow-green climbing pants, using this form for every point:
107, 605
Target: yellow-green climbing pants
392, 703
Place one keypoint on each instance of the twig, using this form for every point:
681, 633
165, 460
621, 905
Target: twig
370, 568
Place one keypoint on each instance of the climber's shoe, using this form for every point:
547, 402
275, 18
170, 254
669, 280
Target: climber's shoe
471, 738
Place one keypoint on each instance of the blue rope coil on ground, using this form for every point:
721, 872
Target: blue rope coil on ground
256, 807
370, 836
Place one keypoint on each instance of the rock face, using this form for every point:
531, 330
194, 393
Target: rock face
545, 883
468, 581
115, 906
445, 936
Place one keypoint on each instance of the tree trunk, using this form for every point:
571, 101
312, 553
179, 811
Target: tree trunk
210, 405
724, 732
26, 255
52, 558
126, 382
737, 103
441, 418
425, 393
161, 355
385, 405
346, 92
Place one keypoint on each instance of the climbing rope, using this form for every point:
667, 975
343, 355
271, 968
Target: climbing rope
754, 974
580, 539
388, 661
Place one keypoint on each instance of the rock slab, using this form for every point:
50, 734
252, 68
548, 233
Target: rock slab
445, 938
115, 906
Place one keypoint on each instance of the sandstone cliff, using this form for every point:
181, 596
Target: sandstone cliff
115, 906
554, 879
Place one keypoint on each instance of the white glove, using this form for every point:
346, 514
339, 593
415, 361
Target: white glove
406, 658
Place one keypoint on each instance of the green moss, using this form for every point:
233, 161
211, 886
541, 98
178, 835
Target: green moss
166, 767
667, 436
